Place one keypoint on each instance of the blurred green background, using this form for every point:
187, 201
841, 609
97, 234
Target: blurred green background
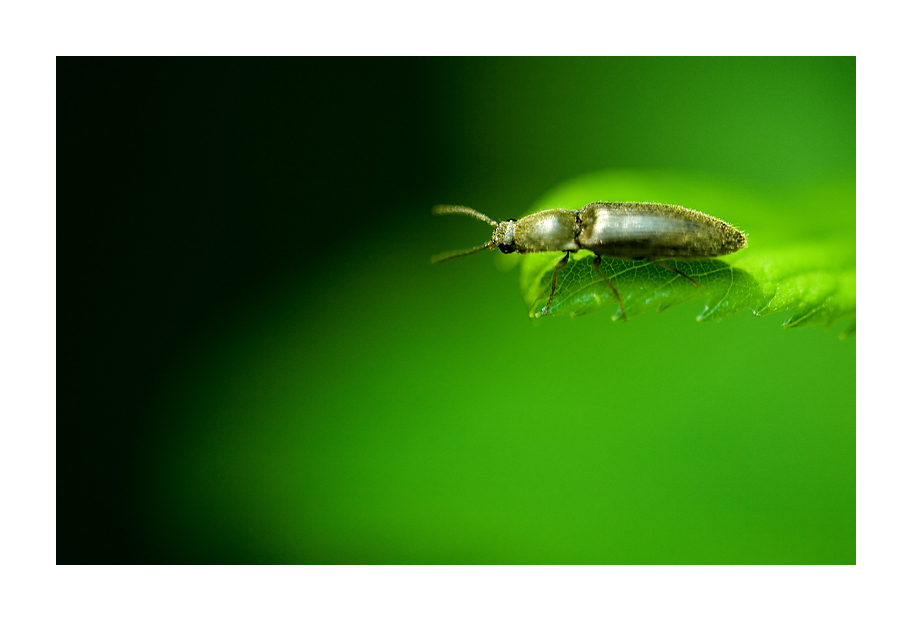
259, 364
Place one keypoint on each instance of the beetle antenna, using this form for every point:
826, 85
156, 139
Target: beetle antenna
453, 254
460, 209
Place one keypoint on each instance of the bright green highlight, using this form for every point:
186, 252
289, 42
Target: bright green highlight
801, 254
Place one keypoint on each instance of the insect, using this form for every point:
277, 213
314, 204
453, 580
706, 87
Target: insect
651, 231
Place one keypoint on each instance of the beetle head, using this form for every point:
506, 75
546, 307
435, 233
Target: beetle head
503, 237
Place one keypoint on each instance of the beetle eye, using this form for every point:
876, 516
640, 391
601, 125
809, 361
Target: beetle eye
506, 248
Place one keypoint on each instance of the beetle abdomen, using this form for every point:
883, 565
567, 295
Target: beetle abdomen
636, 230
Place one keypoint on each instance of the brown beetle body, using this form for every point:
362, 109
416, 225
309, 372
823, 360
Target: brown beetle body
651, 231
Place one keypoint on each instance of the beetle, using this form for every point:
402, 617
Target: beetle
652, 231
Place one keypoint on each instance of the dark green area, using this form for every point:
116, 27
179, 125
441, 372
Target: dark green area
259, 364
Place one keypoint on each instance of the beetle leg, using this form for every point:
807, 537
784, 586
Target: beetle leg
560, 265
596, 262
676, 270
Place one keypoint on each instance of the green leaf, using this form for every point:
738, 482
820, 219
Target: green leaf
801, 254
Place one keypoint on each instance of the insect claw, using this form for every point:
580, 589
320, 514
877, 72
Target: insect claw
676, 270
